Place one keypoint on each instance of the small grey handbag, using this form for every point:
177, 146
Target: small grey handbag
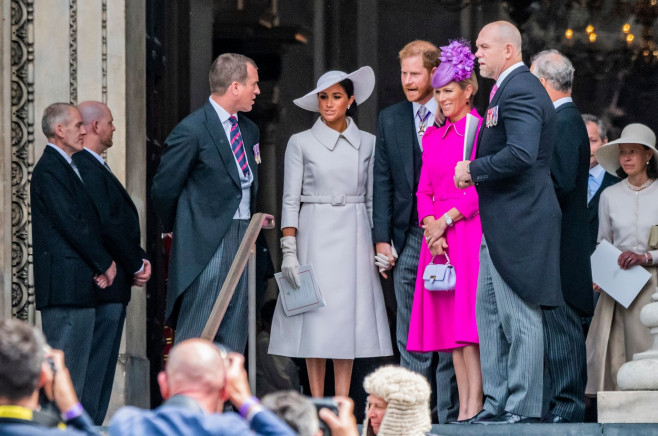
440, 277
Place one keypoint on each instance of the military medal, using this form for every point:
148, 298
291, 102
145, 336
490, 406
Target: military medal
257, 153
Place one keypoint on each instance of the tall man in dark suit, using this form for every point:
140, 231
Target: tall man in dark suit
121, 236
395, 215
70, 259
564, 340
520, 214
204, 192
599, 179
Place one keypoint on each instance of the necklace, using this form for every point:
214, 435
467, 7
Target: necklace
642, 186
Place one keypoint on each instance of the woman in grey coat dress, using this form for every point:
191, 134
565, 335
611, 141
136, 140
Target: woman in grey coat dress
326, 220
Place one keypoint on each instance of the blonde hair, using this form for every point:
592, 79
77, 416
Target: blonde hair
426, 50
473, 81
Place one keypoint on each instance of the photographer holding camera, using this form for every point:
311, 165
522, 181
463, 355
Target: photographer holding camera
198, 379
28, 366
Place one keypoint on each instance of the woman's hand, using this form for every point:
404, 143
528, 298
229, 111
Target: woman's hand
434, 229
628, 259
439, 247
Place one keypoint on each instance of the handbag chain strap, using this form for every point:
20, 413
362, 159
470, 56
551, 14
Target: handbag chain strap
447, 258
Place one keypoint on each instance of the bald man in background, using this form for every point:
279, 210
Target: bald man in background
520, 215
197, 381
121, 237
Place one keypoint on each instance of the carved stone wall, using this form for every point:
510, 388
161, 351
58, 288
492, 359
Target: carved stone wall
22, 156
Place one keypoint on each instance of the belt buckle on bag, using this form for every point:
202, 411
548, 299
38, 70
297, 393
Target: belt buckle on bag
338, 200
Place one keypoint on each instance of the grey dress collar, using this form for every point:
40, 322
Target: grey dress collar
329, 137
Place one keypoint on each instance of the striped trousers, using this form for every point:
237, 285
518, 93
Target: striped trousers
511, 345
404, 282
566, 362
199, 298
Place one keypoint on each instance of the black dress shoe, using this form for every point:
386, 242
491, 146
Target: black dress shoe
462, 421
483, 415
509, 418
555, 419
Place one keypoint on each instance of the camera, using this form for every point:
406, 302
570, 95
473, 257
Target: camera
325, 403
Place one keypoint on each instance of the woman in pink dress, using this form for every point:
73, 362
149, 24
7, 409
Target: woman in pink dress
445, 320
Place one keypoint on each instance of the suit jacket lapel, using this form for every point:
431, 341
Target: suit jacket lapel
87, 155
405, 132
216, 131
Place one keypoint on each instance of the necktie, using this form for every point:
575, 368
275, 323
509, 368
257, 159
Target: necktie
107, 167
493, 92
75, 168
590, 187
238, 147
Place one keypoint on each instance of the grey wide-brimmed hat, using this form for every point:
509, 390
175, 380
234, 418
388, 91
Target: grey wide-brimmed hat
363, 80
608, 154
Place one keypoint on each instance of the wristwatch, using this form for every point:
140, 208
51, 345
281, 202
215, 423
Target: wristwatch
449, 221
468, 168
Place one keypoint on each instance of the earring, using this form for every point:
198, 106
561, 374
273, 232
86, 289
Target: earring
348, 106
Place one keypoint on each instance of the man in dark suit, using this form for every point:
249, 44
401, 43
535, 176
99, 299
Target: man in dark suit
70, 260
563, 334
121, 236
395, 215
204, 192
520, 214
599, 179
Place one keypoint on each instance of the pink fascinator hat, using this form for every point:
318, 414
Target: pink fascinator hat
457, 63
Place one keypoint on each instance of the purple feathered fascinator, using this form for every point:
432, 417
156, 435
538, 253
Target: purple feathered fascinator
457, 63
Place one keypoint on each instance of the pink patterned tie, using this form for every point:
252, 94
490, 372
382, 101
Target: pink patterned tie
493, 92
237, 146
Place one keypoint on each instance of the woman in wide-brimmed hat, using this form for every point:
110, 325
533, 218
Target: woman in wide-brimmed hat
326, 221
627, 211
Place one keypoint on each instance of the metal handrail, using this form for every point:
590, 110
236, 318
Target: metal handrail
246, 252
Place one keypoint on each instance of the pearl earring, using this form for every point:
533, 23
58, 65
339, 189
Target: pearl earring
348, 106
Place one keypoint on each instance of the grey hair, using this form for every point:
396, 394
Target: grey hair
556, 68
226, 69
21, 355
295, 409
603, 130
56, 113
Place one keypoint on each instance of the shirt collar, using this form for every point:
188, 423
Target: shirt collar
459, 126
62, 152
329, 137
221, 112
431, 106
597, 171
559, 102
507, 72
98, 157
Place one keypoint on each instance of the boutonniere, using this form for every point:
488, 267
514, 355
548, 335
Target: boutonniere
257, 153
492, 116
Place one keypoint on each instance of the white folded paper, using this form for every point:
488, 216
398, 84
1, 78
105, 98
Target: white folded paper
307, 297
621, 284
469, 135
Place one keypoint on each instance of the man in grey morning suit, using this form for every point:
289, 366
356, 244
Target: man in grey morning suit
121, 235
204, 192
395, 216
564, 340
520, 214
70, 260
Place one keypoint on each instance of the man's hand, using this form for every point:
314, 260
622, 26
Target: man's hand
140, 279
237, 384
58, 386
628, 259
385, 257
462, 177
343, 424
107, 278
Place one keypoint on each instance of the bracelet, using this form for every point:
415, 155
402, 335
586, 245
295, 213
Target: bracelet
73, 412
646, 258
249, 402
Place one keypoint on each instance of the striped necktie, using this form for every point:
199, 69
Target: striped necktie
493, 92
238, 146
